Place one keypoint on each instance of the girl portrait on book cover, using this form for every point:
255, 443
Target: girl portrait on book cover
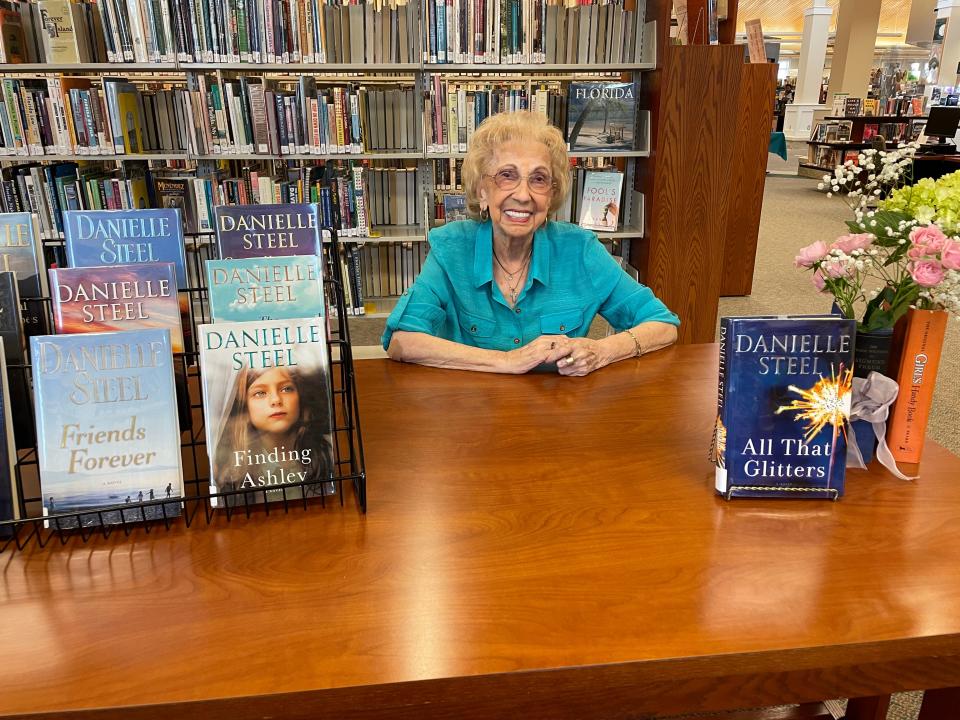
276, 432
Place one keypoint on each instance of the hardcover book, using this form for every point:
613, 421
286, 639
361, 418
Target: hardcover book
9, 497
106, 421
601, 116
14, 348
126, 237
245, 231
783, 406
122, 297
266, 400
600, 204
21, 251
273, 288
454, 207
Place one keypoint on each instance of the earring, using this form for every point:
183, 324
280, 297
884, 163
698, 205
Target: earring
484, 214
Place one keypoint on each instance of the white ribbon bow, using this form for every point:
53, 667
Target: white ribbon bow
871, 401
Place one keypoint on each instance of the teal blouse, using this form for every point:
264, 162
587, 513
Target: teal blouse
572, 277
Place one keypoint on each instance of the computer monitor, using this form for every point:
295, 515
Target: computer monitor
942, 122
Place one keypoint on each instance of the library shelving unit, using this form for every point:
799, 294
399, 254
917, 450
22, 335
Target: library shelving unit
812, 168
415, 75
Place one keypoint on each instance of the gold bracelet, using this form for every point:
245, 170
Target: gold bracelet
636, 342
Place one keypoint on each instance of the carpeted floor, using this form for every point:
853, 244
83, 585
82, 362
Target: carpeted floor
794, 215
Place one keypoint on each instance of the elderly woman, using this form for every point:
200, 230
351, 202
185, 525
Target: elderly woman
514, 290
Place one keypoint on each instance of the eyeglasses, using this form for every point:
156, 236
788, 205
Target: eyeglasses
538, 182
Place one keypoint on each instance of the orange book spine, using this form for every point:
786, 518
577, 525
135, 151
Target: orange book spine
917, 379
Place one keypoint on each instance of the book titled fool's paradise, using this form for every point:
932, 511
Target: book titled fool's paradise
266, 399
107, 425
272, 288
783, 406
245, 231
600, 205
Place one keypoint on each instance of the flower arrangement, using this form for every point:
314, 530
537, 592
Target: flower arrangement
902, 250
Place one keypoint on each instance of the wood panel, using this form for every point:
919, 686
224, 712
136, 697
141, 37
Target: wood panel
747, 173
697, 107
727, 28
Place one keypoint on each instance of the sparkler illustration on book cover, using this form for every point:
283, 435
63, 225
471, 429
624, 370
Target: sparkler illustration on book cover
826, 403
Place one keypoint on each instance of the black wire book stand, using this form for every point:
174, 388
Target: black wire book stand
348, 477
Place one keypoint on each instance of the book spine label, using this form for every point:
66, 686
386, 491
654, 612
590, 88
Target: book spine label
917, 379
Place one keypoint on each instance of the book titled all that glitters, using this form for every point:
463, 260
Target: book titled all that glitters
272, 288
601, 116
245, 231
107, 425
783, 406
266, 399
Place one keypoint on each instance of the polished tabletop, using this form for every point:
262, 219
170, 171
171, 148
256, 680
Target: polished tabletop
535, 546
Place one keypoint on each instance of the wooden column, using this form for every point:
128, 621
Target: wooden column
747, 173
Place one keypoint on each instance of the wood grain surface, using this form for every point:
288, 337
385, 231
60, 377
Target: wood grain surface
535, 547
748, 172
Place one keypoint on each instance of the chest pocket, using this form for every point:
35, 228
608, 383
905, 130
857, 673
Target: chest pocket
562, 322
477, 326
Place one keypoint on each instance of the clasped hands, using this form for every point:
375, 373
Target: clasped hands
573, 356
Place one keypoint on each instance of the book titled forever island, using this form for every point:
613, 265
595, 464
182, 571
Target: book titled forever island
107, 425
783, 406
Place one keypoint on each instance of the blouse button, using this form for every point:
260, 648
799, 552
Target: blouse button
473, 328
516, 341
517, 310
562, 328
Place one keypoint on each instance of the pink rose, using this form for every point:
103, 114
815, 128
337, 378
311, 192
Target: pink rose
950, 255
929, 237
811, 254
917, 253
849, 243
926, 273
818, 281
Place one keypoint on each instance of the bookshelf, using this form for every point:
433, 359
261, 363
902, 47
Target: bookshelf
391, 60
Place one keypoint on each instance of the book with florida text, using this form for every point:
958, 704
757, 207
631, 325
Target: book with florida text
107, 426
266, 400
271, 288
601, 116
245, 231
783, 406
600, 204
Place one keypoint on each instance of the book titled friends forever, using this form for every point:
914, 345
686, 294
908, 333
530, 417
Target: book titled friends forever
267, 405
783, 406
107, 425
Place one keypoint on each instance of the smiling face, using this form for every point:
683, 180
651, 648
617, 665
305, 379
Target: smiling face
518, 212
273, 402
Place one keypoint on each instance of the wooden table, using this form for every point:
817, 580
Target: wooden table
535, 547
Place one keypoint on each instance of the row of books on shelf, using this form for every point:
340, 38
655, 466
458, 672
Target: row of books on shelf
316, 31
848, 106
593, 116
841, 131
109, 397
532, 32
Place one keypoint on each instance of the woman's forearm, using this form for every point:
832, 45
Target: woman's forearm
414, 347
651, 336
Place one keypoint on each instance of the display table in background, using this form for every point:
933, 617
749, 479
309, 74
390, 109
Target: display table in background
535, 547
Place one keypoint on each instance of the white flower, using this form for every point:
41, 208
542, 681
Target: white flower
820, 186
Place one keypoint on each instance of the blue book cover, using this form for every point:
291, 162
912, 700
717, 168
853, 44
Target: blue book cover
266, 400
601, 116
125, 237
273, 288
783, 406
107, 424
454, 207
245, 231
21, 252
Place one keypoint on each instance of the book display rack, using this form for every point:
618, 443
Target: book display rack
348, 479
273, 87
839, 138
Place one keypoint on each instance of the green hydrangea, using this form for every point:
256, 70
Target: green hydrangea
930, 201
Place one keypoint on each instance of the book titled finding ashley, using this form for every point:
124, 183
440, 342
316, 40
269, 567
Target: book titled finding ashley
107, 425
267, 406
783, 406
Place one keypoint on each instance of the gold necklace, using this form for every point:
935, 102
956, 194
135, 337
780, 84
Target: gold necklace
519, 274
